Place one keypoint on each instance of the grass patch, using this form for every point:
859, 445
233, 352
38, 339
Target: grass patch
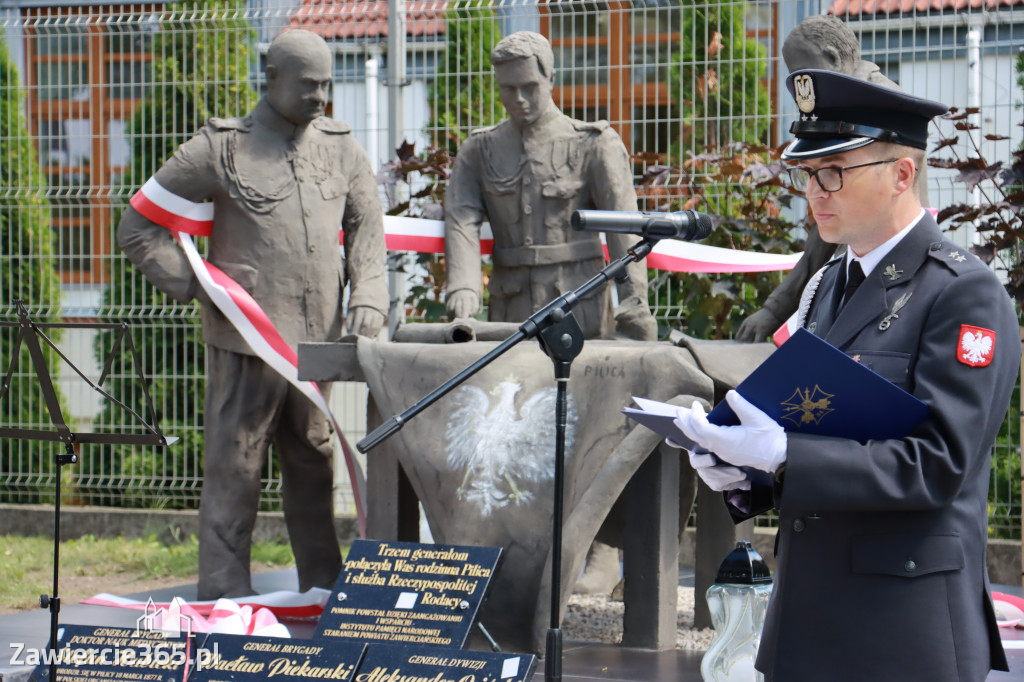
26, 563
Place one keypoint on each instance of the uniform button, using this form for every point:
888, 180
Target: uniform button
798, 526
936, 247
307, 212
309, 287
528, 210
910, 566
527, 180
312, 248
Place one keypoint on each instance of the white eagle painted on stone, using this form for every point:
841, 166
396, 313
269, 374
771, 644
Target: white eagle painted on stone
976, 348
503, 453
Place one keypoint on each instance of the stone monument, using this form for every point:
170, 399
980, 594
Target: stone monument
280, 181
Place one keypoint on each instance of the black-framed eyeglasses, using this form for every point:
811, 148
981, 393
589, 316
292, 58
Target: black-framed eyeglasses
830, 178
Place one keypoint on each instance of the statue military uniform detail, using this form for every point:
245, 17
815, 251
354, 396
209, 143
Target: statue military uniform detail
526, 176
528, 184
281, 180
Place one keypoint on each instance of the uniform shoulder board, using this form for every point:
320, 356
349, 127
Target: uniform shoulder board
596, 126
481, 131
958, 259
231, 123
332, 126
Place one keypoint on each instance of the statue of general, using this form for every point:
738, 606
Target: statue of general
281, 180
526, 176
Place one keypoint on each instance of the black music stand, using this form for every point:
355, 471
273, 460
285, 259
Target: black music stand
29, 333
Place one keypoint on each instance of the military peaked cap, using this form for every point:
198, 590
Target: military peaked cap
840, 112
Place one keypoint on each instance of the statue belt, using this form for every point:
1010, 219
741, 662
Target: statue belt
547, 254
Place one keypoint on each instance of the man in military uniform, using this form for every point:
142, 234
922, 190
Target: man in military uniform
281, 181
821, 41
526, 176
881, 548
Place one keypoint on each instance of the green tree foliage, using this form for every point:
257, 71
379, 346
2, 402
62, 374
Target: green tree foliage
463, 94
202, 60
26, 273
742, 186
718, 74
463, 97
719, 164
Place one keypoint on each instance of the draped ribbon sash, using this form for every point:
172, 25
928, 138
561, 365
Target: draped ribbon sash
185, 218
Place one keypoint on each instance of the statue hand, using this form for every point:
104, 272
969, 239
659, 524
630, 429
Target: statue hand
758, 327
364, 321
462, 303
636, 322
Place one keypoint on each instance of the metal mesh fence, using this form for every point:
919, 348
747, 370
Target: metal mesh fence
695, 90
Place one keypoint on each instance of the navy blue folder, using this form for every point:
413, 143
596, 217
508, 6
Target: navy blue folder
809, 386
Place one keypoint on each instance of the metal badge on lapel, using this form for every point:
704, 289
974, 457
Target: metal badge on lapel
896, 307
892, 273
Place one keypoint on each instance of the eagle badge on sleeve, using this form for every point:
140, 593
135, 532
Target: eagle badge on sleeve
976, 346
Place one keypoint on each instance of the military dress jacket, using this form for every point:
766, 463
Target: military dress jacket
881, 569
527, 184
280, 195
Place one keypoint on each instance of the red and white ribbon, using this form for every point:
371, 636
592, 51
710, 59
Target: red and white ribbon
427, 236
166, 209
787, 330
177, 214
283, 604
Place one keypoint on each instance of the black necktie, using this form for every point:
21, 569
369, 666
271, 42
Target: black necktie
854, 277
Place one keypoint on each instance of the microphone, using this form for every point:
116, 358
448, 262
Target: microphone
687, 226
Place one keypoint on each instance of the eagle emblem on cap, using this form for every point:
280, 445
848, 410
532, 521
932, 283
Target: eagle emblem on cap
803, 91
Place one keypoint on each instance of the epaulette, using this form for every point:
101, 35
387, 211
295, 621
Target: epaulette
231, 123
958, 259
597, 126
481, 131
331, 126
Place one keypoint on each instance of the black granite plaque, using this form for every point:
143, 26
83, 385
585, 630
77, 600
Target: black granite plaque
87, 653
408, 593
390, 663
239, 658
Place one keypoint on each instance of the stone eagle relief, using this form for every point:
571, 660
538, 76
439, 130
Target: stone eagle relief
504, 451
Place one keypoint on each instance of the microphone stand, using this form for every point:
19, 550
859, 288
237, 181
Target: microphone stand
28, 331
561, 339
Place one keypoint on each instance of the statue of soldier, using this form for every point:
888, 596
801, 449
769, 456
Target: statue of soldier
820, 41
526, 176
281, 180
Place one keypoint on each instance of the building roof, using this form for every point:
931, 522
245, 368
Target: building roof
862, 7
347, 19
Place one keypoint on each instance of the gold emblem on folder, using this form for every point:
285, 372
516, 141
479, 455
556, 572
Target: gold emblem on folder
807, 405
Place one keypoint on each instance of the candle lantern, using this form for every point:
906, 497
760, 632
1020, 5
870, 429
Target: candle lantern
738, 602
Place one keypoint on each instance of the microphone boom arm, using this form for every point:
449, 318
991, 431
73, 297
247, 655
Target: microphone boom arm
550, 314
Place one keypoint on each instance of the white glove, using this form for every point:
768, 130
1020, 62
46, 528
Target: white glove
758, 442
718, 476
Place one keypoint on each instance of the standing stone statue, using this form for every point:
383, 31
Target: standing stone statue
281, 180
825, 42
526, 176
